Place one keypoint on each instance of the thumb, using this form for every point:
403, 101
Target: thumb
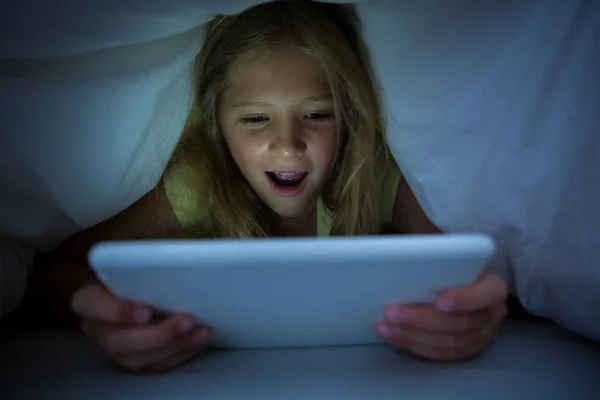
95, 302
489, 290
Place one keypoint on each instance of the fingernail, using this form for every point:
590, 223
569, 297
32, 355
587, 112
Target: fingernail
444, 304
185, 326
395, 315
200, 337
384, 331
141, 315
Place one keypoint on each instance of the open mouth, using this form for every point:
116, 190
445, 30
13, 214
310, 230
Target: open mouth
287, 179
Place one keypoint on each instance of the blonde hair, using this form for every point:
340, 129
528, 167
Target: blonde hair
327, 32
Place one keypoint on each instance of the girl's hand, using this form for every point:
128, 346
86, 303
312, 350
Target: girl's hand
127, 334
461, 324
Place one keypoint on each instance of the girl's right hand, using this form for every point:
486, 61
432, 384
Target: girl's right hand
128, 334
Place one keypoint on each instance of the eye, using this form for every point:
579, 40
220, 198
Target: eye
254, 119
318, 116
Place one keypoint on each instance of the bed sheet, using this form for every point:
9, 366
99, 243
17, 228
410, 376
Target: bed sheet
528, 361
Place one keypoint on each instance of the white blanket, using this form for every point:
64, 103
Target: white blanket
493, 108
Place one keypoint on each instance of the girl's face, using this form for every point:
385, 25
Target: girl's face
278, 120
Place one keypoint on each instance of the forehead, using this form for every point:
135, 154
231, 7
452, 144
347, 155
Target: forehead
281, 71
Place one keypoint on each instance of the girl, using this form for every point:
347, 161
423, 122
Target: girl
285, 138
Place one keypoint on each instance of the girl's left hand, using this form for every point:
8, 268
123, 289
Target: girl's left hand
461, 323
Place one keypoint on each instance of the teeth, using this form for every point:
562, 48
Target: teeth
289, 176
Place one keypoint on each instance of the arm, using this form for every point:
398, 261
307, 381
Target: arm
408, 216
461, 322
64, 270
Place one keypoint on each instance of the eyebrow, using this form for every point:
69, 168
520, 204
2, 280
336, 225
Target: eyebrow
265, 104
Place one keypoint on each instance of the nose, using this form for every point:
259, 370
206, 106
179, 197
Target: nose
287, 141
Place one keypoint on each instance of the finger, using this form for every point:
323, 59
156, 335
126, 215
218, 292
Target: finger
427, 318
95, 302
406, 336
199, 341
175, 354
117, 340
454, 353
445, 355
488, 291
438, 347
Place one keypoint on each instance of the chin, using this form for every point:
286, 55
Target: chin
289, 209
289, 213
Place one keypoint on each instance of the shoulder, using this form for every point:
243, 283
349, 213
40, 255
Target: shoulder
385, 188
149, 217
187, 194
387, 173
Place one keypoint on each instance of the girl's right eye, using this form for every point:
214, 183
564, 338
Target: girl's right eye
254, 119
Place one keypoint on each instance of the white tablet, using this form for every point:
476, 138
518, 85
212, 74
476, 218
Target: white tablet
290, 292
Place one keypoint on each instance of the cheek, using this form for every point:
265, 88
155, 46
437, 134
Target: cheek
246, 153
326, 146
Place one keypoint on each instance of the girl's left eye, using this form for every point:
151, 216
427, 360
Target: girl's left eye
318, 116
254, 119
